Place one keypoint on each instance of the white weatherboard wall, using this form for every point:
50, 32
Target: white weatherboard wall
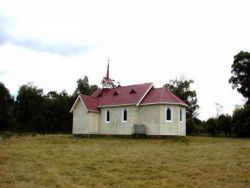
154, 118
182, 124
150, 116
94, 122
80, 119
174, 127
116, 126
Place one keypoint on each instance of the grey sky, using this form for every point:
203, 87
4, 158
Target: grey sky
37, 44
56, 48
3, 30
53, 43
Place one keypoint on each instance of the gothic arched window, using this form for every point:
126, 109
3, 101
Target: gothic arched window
180, 115
168, 114
124, 115
107, 118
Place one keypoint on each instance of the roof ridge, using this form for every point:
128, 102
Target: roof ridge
86, 95
136, 84
161, 93
90, 97
145, 94
96, 92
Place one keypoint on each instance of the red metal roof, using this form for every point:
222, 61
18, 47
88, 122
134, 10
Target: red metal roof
90, 103
123, 96
119, 96
161, 95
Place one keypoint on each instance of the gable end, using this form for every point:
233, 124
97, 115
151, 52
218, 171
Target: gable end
74, 105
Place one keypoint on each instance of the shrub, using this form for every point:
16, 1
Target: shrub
190, 126
241, 122
211, 126
224, 124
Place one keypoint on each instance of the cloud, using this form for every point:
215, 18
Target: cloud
3, 30
55, 47
60, 48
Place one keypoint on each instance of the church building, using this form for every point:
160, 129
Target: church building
127, 110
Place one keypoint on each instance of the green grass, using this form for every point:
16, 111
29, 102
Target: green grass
67, 161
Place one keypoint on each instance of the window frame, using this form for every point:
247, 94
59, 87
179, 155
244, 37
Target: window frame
171, 114
123, 110
106, 115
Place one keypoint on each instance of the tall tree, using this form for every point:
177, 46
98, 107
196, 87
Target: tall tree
29, 107
83, 87
224, 124
240, 78
56, 112
241, 122
36, 112
6, 107
211, 126
182, 88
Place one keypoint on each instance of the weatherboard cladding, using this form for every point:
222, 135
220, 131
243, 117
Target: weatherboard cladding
122, 96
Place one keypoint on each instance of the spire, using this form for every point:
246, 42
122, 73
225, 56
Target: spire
107, 75
107, 82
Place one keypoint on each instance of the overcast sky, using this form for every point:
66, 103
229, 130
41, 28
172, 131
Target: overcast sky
53, 43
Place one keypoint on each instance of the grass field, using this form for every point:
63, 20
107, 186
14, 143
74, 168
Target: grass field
67, 161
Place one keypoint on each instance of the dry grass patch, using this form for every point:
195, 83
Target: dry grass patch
67, 161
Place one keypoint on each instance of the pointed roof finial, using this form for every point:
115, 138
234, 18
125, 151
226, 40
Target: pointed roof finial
107, 76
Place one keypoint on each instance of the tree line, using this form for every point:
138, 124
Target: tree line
236, 125
34, 111
223, 125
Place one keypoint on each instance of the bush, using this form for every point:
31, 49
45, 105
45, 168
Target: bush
195, 126
190, 126
224, 124
6, 108
211, 127
241, 122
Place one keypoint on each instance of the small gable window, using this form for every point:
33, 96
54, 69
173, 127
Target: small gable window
181, 115
125, 115
132, 91
107, 117
168, 114
115, 93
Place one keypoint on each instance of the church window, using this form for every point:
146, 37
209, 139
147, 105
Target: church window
181, 115
169, 114
107, 118
124, 115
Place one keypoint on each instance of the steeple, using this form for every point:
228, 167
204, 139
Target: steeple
107, 75
107, 82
